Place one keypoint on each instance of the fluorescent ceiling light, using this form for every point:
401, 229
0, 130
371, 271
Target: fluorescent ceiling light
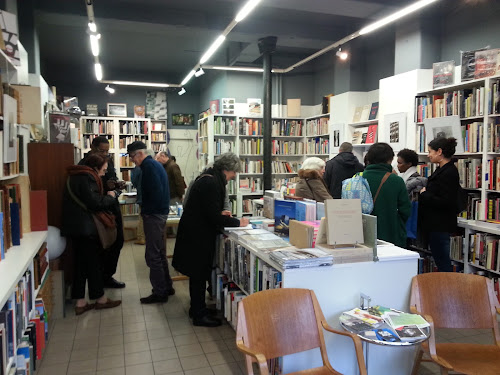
395, 16
110, 89
92, 27
199, 73
142, 84
182, 92
236, 68
215, 45
69, 99
94, 44
98, 71
249, 6
188, 77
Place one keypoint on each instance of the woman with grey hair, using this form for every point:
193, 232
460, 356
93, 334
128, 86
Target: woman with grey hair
311, 184
203, 218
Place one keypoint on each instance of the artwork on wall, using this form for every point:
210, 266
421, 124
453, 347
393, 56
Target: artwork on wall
139, 111
214, 107
480, 63
228, 106
59, 125
337, 130
446, 127
254, 106
443, 73
156, 105
395, 130
9, 129
182, 119
92, 110
8, 23
117, 110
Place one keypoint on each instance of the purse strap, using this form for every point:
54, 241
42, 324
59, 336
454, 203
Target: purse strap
312, 191
75, 198
384, 179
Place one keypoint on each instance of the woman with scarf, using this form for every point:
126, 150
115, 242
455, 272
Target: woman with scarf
202, 219
85, 187
407, 166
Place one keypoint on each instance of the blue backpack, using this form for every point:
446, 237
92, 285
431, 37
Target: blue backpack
357, 187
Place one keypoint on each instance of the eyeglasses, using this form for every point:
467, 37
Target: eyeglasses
131, 156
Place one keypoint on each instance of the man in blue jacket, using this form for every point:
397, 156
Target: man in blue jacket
154, 212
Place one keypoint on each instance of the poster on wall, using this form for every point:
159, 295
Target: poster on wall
480, 63
182, 119
139, 111
59, 125
8, 23
395, 130
337, 131
9, 129
214, 107
228, 106
156, 105
254, 106
445, 127
443, 73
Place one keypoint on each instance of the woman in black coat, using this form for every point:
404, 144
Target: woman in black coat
202, 219
85, 185
438, 202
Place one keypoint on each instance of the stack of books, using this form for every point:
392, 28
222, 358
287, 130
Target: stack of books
301, 258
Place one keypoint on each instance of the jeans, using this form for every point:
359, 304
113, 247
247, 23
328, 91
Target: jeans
439, 243
87, 268
156, 253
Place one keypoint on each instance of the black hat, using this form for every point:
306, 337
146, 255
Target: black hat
134, 146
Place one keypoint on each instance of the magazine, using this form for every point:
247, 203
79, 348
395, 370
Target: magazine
365, 316
410, 333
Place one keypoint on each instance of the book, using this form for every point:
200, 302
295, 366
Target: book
365, 113
284, 211
357, 136
372, 134
357, 114
365, 316
293, 107
214, 107
373, 111
410, 333
486, 63
355, 324
405, 319
344, 221
443, 73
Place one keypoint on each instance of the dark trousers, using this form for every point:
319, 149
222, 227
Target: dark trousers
156, 253
439, 243
197, 290
109, 258
87, 268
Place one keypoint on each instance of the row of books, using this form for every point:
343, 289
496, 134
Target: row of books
129, 209
427, 264
420, 140
251, 146
456, 247
470, 172
426, 169
365, 113
158, 137
231, 187
225, 125
125, 161
317, 126
10, 217
251, 166
99, 127
287, 128
233, 206
159, 147
364, 135
464, 103
287, 147
247, 206
250, 126
473, 137
319, 145
250, 185
286, 185
221, 146
494, 99
126, 140
474, 207
158, 126
87, 140
483, 251
279, 166
492, 180
40, 265
133, 127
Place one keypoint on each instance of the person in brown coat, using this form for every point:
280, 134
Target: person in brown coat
311, 184
175, 179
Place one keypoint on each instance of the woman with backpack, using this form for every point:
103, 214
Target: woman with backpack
438, 202
391, 204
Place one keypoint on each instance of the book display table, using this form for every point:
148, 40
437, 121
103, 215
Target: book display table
338, 288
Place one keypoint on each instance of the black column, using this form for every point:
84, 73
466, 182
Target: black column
267, 46
28, 34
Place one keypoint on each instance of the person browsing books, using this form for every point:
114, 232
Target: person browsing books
438, 202
407, 167
202, 220
392, 206
175, 179
343, 166
311, 184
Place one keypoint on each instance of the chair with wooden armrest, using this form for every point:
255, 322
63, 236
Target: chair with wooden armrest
456, 300
278, 322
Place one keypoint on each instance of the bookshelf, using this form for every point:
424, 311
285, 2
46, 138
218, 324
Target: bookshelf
159, 136
120, 131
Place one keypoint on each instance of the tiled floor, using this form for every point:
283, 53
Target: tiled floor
136, 339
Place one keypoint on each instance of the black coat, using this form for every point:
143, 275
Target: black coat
438, 204
76, 221
343, 166
200, 223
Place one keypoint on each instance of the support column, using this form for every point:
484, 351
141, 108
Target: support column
267, 46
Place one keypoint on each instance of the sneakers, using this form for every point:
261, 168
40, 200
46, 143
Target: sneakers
154, 298
79, 310
109, 304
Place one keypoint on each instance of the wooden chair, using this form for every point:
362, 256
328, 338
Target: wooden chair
456, 300
274, 323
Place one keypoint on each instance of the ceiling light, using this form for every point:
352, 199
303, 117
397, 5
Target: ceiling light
343, 55
142, 84
188, 77
236, 68
109, 89
393, 17
182, 92
199, 73
92, 27
69, 99
215, 45
249, 6
94, 44
98, 71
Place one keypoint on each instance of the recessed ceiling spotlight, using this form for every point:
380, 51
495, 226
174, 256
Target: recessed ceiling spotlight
343, 55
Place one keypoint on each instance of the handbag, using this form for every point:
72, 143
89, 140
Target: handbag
105, 222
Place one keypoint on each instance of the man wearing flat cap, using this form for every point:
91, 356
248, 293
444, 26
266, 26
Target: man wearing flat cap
154, 211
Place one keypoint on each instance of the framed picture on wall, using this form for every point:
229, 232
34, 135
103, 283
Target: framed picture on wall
117, 110
395, 130
444, 127
182, 119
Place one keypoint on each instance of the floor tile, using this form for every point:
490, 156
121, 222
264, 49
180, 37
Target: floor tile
189, 350
213, 346
227, 369
194, 362
55, 369
142, 369
164, 354
114, 361
167, 367
218, 358
110, 350
108, 340
185, 340
113, 371
137, 358
135, 336
84, 354
136, 346
200, 371
79, 367
166, 342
